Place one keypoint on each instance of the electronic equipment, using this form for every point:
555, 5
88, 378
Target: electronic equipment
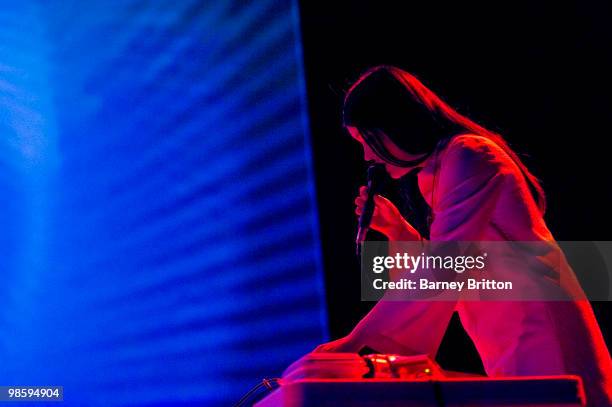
347, 379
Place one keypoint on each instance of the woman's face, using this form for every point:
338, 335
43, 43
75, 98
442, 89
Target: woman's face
369, 155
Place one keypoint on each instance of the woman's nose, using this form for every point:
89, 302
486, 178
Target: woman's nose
368, 155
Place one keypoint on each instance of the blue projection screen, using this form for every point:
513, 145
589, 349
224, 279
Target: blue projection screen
159, 230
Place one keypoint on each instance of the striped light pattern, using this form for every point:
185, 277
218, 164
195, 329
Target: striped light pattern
159, 231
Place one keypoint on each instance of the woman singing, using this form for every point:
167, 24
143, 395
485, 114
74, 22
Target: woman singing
477, 189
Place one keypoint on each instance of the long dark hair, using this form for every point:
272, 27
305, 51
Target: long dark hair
386, 100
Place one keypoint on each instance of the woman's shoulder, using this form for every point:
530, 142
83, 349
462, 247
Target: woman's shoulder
473, 142
477, 152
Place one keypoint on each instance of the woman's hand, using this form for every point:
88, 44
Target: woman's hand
346, 344
386, 218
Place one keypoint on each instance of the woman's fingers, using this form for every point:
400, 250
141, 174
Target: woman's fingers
363, 196
384, 210
386, 217
359, 205
360, 200
363, 192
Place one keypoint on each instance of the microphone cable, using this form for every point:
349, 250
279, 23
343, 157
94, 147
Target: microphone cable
253, 395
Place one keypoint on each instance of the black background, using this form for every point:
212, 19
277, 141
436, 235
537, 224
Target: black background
536, 72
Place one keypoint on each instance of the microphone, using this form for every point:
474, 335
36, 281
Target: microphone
376, 173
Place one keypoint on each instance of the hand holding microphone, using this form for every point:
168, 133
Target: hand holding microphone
367, 204
378, 213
